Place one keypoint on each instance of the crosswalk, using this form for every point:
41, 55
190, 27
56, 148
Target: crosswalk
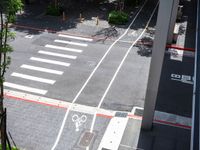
51, 60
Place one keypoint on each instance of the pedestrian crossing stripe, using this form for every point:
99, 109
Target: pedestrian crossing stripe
75, 37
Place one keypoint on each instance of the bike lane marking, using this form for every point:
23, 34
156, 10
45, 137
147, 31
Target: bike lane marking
115, 143
80, 91
76, 133
159, 117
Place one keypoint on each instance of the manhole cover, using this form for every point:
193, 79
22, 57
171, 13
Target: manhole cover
86, 139
138, 112
121, 114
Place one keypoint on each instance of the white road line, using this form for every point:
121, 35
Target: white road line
63, 48
57, 54
92, 73
113, 134
119, 67
71, 43
161, 116
25, 88
76, 37
50, 61
41, 69
33, 78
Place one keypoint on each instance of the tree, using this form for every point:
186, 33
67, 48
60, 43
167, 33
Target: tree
8, 9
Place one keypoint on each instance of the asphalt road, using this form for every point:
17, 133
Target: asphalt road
128, 87
78, 70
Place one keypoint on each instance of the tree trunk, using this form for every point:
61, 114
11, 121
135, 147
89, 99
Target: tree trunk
3, 120
3, 131
2, 115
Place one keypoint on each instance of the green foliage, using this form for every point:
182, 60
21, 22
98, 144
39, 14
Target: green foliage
53, 10
7, 34
118, 17
13, 148
10, 7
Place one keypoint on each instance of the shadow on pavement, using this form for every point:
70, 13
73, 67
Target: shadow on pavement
163, 137
34, 18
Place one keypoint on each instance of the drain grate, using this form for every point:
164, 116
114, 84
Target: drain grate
121, 114
86, 139
138, 112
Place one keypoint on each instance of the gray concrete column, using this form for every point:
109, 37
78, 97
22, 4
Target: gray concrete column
162, 28
172, 21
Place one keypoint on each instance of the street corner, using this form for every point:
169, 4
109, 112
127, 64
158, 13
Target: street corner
87, 130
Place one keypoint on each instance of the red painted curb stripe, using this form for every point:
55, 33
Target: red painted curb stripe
134, 116
32, 101
104, 116
98, 115
172, 124
180, 48
51, 31
46, 104
32, 28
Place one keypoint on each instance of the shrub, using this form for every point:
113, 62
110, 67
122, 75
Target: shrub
53, 10
117, 17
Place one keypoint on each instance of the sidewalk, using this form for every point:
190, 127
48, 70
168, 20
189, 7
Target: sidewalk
34, 16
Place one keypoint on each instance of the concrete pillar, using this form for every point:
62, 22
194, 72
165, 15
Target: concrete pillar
162, 28
172, 21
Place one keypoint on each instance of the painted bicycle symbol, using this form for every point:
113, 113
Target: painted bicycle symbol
78, 121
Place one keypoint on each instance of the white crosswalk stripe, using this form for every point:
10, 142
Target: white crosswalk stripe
57, 54
41, 69
63, 48
50, 61
33, 78
49, 55
76, 37
71, 43
25, 88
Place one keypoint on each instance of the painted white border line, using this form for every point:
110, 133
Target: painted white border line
88, 79
57, 54
50, 61
176, 120
41, 69
25, 88
113, 134
75, 37
118, 69
33, 78
71, 43
63, 48
58, 103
